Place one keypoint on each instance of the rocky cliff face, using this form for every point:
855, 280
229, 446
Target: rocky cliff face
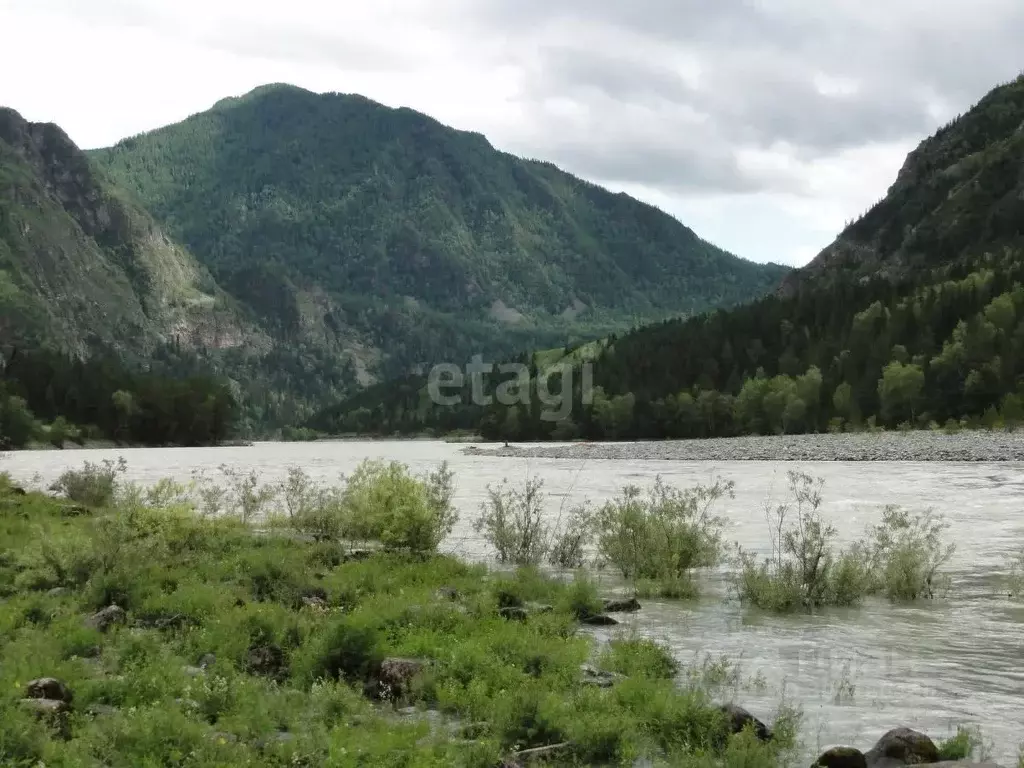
80, 263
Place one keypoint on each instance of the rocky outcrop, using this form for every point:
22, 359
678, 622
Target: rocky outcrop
737, 719
621, 605
112, 615
895, 749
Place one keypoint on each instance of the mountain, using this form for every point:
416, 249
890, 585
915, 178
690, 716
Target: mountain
383, 237
81, 265
913, 316
91, 288
958, 193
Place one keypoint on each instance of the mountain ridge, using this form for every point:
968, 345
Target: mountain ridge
912, 317
437, 228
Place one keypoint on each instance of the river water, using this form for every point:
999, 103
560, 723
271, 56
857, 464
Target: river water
854, 673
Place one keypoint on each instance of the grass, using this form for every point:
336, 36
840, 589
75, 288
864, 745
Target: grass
249, 648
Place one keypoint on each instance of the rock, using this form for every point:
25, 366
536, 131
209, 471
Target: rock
509, 600
193, 671
48, 688
395, 676
206, 661
54, 712
905, 746
598, 620
314, 602
46, 706
267, 661
448, 593
513, 613
841, 757
57, 592
738, 718
631, 605
590, 675
107, 618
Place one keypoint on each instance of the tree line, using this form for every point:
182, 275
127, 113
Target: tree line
47, 396
946, 349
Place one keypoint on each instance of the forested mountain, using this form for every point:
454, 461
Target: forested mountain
81, 265
91, 288
381, 236
913, 316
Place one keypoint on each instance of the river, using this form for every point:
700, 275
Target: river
854, 673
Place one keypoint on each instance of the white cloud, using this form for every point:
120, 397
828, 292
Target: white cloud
763, 125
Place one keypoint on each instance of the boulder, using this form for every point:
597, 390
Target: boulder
841, 757
48, 688
53, 712
738, 718
267, 661
103, 620
395, 676
621, 605
902, 746
598, 678
206, 661
598, 620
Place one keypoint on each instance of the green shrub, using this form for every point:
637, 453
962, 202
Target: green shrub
663, 535
961, 746
639, 657
348, 652
905, 553
312, 509
569, 541
95, 485
384, 503
512, 522
1016, 575
804, 570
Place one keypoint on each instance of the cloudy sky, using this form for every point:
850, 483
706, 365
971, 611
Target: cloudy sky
762, 124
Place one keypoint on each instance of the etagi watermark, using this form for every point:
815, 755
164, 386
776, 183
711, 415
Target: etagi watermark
446, 384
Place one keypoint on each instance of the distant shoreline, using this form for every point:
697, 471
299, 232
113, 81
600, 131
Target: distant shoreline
967, 446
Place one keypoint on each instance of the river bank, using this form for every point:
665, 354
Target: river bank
968, 446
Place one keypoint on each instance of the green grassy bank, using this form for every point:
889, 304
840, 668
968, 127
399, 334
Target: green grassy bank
231, 646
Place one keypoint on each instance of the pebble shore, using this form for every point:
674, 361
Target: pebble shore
965, 446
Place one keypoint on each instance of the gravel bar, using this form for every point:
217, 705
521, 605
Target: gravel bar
886, 446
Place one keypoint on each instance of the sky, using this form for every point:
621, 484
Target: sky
764, 125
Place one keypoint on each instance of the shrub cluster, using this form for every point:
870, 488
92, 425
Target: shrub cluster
899, 558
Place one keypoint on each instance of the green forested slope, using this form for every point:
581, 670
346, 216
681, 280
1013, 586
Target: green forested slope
92, 290
914, 315
81, 265
349, 226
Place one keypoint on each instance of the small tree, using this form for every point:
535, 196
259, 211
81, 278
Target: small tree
906, 552
512, 522
803, 570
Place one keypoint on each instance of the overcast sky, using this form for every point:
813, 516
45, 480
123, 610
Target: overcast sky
762, 124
